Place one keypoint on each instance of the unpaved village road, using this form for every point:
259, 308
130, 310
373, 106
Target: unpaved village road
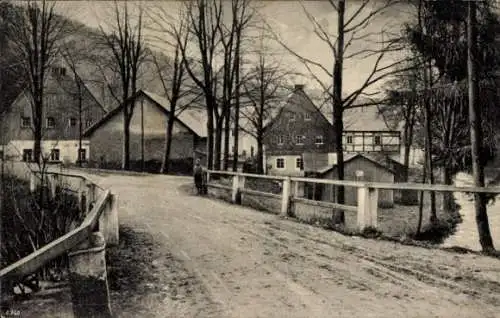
253, 264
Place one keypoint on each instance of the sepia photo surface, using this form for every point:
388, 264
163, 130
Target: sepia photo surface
249, 158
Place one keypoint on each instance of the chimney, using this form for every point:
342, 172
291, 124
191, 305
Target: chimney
299, 86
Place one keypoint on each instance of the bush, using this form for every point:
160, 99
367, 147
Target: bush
34, 220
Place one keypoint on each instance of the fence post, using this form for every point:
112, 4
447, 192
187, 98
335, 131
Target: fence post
90, 198
108, 221
53, 184
32, 181
88, 278
238, 183
367, 207
285, 196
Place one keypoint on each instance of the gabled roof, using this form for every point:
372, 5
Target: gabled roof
299, 97
194, 121
350, 157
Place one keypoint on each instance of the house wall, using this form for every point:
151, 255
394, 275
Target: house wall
60, 103
365, 141
107, 140
371, 171
292, 121
68, 149
290, 168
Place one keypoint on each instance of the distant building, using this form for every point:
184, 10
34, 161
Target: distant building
61, 120
147, 132
357, 167
299, 127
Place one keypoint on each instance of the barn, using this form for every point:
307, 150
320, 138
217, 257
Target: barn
147, 134
358, 167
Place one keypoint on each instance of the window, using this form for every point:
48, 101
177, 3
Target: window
27, 155
299, 164
377, 140
281, 140
318, 140
349, 139
280, 163
59, 71
307, 116
88, 123
292, 116
299, 140
1, 154
25, 122
54, 155
82, 154
72, 121
51, 122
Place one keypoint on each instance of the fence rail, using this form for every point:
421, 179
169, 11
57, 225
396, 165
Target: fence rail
101, 215
367, 192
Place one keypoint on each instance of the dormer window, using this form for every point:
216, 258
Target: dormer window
59, 71
25, 122
307, 116
51, 122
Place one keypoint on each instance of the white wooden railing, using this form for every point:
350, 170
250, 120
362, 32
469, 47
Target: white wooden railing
367, 192
85, 245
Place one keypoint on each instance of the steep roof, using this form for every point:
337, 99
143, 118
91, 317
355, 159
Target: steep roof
191, 119
352, 156
297, 97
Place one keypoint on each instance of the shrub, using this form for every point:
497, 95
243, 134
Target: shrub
32, 220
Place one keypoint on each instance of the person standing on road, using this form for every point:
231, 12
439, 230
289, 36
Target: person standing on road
198, 176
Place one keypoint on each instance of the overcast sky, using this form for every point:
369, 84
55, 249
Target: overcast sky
288, 20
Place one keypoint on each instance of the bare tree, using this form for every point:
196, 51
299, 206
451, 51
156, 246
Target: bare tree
36, 34
126, 43
172, 71
204, 18
476, 132
350, 29
263, 92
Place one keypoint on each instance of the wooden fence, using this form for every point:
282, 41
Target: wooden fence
367, 193
86, 242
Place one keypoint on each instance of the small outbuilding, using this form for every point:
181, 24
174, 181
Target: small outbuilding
147, 133
358, 167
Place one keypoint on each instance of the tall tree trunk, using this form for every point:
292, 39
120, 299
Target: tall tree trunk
236, 126
165, 164
210, 136
447, 196
38, 130
218, 144
421, 202
80, 128
407, 148
227, 134
260, 155
476, 133
142, 135
126, 142
338, 125
428, 138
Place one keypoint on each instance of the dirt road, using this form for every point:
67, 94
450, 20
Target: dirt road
252, 264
